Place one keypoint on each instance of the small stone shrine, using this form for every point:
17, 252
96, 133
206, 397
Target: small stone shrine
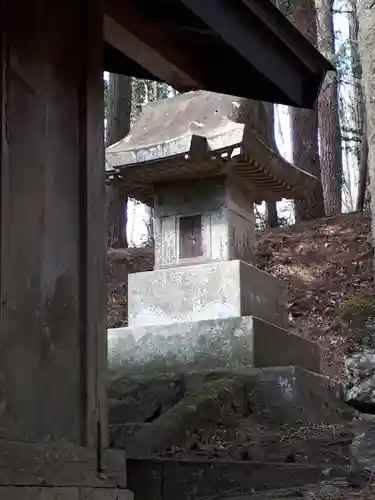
205, 304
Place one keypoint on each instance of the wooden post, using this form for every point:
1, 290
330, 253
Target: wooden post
53, 241
93, 228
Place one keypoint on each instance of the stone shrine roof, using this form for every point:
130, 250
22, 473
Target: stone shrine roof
192, 136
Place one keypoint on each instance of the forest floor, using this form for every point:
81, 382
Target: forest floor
323, 263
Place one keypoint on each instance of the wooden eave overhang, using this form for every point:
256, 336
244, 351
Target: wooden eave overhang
245, 48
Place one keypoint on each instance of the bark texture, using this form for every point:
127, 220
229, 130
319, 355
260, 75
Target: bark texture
304, 123
359, 112
366, 43
329, 120
119, 109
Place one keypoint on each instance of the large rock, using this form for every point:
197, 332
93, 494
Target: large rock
359, 314
360, 370
363, 445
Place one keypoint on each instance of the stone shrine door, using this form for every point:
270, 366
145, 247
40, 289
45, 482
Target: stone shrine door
190, 237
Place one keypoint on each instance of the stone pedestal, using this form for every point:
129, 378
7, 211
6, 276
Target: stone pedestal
219, 314
224, 289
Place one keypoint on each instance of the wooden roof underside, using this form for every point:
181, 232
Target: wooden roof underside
242, 47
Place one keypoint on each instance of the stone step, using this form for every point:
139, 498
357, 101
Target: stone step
208, 344
251, 410
284, 494
328, 490
193, 480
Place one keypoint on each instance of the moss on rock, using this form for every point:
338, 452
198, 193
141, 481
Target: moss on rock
359, 308
210, 402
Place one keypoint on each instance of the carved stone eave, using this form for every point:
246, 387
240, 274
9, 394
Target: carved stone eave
198, 135
194, 157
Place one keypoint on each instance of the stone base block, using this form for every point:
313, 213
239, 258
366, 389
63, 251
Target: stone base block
40, 493
168, 479
290, 395
60, 471
208, 344
224, 289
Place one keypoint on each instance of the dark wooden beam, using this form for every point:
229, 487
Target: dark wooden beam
240, 29
269, 15
147, 44
116, 61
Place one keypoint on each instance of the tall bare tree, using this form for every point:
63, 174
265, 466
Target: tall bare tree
304, 123
118, 126
359, 111
366, 43
329, 118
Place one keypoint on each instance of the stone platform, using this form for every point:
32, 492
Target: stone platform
62, 493
221, 289
225, 342
282, 395
60, 471
198, 479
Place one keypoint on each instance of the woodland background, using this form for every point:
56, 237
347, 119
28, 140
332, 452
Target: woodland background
330, 142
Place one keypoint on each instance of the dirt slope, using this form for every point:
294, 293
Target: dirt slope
323, 262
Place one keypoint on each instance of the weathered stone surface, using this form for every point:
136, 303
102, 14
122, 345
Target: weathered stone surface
232, 342
171, 479
278, 395
359, 313
207, 291
360, 371
59, 465
135, 399
40, 493
210, 403
191, 136
275, 397
363, 445
227, 216
290, 395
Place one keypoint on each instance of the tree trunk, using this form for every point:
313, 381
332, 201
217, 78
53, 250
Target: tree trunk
271, 210
360, 137
271, 205
259, 116
363, 181
119, 108
304, 123
329, 120
366, 42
